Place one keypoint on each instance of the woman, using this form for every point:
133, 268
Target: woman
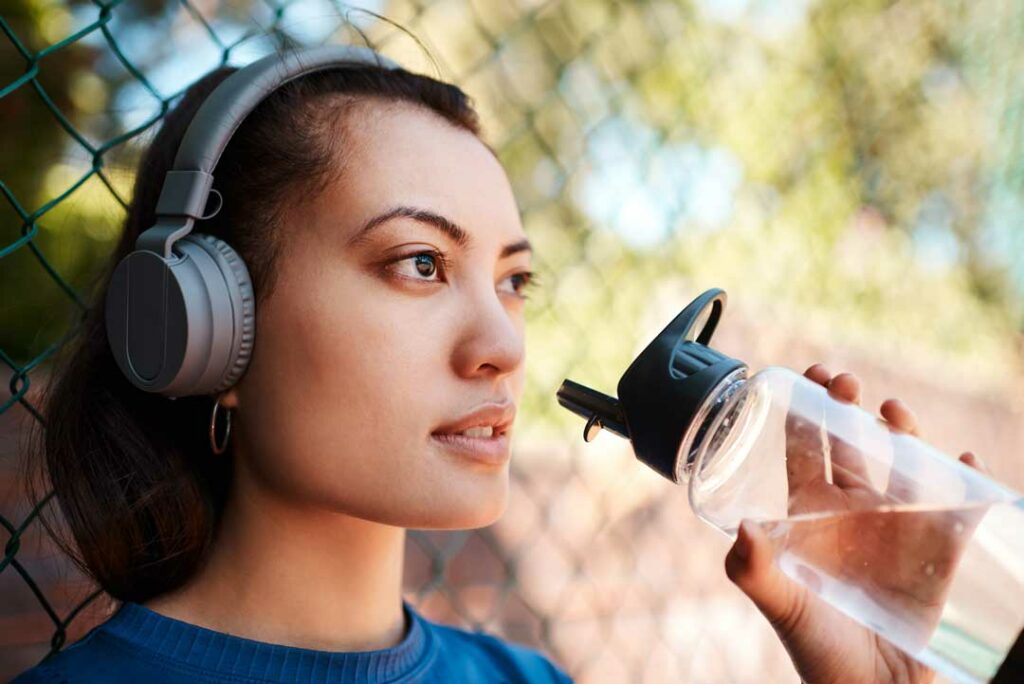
389, 267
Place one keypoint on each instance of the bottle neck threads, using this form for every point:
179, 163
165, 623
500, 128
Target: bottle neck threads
697, 430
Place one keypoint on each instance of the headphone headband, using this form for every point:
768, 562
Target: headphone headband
183, 322
188, 184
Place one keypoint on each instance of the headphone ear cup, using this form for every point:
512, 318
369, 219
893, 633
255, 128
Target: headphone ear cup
242, 318
182, 326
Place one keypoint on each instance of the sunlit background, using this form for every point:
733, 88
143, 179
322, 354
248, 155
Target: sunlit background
850, 172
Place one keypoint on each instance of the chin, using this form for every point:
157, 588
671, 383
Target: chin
488, 515
476, 509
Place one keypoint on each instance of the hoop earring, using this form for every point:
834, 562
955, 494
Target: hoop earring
219, 449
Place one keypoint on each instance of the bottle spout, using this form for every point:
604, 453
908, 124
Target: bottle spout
600, 410
660, 398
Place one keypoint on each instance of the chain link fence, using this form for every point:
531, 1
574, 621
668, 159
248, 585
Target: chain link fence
620, 126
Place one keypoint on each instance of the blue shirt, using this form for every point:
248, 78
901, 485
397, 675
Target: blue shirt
137, 644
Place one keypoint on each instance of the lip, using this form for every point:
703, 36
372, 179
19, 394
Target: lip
489, 450
499, 416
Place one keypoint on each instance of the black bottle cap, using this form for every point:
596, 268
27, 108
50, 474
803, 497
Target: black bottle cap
664, 390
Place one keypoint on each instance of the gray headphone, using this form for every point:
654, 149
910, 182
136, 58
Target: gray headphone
180, 311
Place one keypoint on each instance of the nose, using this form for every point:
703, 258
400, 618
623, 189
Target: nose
491, 340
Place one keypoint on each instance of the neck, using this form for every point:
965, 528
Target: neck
303, 577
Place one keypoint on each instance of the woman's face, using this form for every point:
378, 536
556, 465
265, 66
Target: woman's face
365, 349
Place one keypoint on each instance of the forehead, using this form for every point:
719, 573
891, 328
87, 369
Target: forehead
397, 153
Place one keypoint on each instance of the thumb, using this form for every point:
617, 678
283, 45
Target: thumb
750, 566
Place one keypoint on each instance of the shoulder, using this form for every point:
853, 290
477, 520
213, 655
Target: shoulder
478, 656
55, 668
42, 672
92, 659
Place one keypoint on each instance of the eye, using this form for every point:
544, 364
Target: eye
423, 265
522, 282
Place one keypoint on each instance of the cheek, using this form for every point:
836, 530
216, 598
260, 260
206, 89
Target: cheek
342, 380
345, 394
368, 369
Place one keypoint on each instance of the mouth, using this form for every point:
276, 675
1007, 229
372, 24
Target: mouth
485, 444
482, 435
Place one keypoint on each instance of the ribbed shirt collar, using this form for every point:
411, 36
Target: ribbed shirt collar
225, 654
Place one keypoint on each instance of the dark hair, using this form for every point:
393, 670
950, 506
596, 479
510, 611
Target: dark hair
137, 483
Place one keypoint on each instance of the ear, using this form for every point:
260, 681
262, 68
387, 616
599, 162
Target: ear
229, 398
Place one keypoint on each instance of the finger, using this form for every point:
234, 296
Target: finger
818, 373
974, 461
804, 453
972, 516
900, 416
805, 463
901, 419
749, 564
848, 468
846, 387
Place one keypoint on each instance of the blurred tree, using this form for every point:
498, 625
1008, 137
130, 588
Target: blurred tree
838, 159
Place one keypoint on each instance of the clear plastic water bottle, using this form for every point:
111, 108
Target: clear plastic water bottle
909, 542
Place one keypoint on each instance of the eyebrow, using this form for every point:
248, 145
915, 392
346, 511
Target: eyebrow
441, 223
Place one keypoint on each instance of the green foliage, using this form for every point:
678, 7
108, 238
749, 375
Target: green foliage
858, 155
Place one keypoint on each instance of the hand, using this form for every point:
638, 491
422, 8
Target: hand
902, 560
